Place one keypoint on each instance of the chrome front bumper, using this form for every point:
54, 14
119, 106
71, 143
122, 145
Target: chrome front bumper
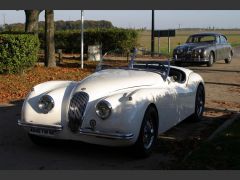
107, 135
41, 129
88, 132
192, 60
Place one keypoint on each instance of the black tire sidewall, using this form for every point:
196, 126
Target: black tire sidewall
139, 145
211, 60
229, 59
195, 115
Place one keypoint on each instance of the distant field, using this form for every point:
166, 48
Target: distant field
144, 39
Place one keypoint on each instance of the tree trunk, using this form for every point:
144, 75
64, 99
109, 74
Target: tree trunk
32, 17
50, 60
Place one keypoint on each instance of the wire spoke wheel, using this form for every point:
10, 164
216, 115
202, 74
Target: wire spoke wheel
148, 133
200, 102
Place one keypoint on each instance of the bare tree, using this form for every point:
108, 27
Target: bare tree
50, 60
32, 17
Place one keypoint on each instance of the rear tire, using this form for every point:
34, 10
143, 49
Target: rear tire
211, 59
148, 133
199, 103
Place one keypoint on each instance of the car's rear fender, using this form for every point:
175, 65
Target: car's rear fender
193, 82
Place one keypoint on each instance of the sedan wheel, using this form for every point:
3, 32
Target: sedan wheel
199, 103
210, 59
229, 59
148, 133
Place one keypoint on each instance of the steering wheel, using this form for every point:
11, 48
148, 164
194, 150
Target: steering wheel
162, 67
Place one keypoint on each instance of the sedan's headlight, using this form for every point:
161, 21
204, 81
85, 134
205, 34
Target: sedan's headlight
45, 104
103, 109
199, 51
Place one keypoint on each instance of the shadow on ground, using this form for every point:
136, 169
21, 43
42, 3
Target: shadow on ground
18, 152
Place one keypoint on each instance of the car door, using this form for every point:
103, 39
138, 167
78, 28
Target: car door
227, 49
166, 102
218, 48
183, 99
224, 50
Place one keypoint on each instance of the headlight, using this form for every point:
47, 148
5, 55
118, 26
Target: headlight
199, 51
45, 104
204, 52
103, 109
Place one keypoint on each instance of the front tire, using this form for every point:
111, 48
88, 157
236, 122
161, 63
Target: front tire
229, 59
148, 133
210, 59
199, 103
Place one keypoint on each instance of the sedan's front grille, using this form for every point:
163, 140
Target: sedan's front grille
77, 107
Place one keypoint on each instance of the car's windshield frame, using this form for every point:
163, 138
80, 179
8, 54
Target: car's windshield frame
160, 67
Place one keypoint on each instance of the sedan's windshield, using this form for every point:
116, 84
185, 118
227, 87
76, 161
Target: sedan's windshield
201, 39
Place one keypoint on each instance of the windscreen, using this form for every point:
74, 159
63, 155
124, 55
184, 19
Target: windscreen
111, 61
161, 67
201, 39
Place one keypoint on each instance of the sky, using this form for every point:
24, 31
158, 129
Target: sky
164, 19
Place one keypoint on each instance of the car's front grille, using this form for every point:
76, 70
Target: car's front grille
76, 110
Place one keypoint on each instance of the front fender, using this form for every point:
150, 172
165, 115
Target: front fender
128, 110
30, 111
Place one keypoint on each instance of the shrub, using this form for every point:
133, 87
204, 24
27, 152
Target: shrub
18, 52
110, 39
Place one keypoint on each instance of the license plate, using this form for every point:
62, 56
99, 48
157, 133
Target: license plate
42, 131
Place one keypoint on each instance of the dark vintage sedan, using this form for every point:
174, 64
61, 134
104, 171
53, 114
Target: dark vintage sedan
203, 48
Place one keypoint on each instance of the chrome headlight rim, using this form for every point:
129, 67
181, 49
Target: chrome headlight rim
46, 104
200, 51
106, 104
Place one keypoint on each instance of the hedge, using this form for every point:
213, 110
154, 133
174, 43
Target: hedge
111, 39
18, 52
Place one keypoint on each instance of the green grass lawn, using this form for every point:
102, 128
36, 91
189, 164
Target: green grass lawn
223, 152
144, 39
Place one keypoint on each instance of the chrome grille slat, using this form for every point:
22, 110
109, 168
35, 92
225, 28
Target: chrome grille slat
76, 110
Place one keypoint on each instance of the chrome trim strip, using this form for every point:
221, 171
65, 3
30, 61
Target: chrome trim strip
87, 132
191, 60
56, 128
106, 134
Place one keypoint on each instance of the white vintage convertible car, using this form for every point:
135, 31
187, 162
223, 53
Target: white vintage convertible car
115, 106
